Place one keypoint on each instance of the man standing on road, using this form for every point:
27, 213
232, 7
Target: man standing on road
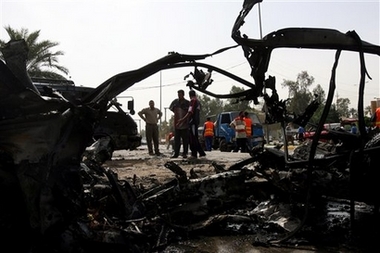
241, 135
376, 118
208, 133
179, 107
354, 129
248, 130
151, 115
289, 134
193, 115
301, 132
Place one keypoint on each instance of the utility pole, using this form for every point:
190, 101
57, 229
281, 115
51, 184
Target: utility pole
161, 95
261, 28
261, 37
139, 120
337, 97
165, 112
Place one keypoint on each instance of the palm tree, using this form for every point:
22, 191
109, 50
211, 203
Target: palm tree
42, 62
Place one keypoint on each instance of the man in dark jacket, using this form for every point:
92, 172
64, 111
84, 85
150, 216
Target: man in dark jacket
179, 107
193, 115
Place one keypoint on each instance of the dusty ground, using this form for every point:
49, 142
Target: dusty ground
150, 170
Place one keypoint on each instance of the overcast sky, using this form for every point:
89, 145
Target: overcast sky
103, 38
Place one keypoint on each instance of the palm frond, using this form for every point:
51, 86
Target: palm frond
42, 60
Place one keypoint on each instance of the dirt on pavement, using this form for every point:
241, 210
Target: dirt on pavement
139, 167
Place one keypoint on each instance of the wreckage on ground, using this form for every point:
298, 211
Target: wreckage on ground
55, 199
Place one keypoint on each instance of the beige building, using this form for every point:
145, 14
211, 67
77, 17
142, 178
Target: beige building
375, 104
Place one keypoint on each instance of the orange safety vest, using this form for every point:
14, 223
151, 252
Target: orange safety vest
208, 129
377, 117
248, 126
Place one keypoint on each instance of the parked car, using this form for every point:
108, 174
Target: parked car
311, 132
344, 125
117, 124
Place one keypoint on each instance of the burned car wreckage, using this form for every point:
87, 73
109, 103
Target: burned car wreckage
51, 198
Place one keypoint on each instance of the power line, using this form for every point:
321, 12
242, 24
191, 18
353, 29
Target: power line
154, 86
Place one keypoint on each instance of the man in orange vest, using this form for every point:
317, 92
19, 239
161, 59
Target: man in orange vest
248, 130
208, 133
376, 118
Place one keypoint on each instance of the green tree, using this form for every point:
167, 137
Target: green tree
42, 61
342, 106
164, 130
301, 97
209, 107
333, 116
232, 104
299, 93
320, 92
205, 107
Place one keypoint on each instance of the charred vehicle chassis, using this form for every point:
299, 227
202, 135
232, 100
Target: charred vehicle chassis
51, 194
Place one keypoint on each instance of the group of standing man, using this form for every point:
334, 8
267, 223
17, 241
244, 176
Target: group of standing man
186, 122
